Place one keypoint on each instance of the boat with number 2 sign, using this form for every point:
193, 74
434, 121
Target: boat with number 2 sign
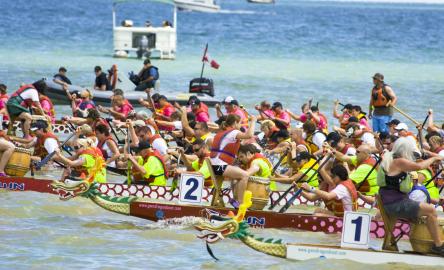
354, 244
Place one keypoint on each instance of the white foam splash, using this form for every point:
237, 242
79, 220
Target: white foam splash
175, 223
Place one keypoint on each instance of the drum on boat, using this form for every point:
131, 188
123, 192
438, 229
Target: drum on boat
18, 164
259, 188
420, 238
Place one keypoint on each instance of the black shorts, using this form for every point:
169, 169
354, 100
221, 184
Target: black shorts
406, 209
219, 169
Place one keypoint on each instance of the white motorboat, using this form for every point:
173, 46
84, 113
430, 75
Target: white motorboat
261, 1
197, 5
148, 40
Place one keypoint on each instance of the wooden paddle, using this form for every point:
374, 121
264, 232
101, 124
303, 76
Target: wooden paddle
406, 115
297, 193
45, 160
273, 205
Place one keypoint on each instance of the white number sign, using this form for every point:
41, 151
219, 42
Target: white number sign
191, 186
356, 230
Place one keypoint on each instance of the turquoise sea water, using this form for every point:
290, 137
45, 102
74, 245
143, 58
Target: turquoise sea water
289, 52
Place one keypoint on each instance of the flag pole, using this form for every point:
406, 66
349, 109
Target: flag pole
203, 65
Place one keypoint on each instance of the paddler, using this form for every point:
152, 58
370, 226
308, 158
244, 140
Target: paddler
265, 111
47, 106
107, 145
232, 107
268, 127
297, 136
200, 131
148, 166
336, 141
346, 113
224, 150
44, 142
338, 192
395, 184
6, 150
363, 162
121, 107
255, 163
357, 112
87, 164
21, 102
199, 109
304, 162
424, 188
145, 134
382, 97
403, 131
201, 151
314, 137
281, 117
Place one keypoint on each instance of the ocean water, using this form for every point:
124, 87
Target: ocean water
287, 52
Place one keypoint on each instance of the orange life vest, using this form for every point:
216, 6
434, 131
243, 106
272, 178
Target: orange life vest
379, 98
39, 148
229, 152
244, 119
28, 102
93, 151
336, 205
138, 176
100, 145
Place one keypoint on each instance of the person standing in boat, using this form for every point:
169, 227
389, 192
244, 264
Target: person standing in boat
87, 163
395, 184
101, 83
20, 104
224, 150
382, 97
147, 76
60, 78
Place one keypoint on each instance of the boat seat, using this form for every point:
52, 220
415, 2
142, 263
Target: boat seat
217, 200
390, 242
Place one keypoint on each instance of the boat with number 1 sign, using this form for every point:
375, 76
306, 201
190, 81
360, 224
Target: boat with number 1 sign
236, 228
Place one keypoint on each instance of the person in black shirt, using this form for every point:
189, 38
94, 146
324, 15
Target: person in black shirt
148, 76
101, 82
60, 78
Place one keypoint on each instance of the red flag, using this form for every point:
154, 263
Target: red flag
206, 58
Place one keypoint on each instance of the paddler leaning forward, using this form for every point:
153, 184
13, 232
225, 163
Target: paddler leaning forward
224, 150
87, 163
337, 191
395, 184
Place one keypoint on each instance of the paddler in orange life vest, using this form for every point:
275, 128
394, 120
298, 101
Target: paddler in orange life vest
224, 150
358, 134
338, 192
336, 141
382, 98
145, 133
121, 107
148, 166
107, 145
232, 107
201, 151
346, 113
44, 142
269, 129
87, 164
403, 131
20, 104
163, 110
297, 136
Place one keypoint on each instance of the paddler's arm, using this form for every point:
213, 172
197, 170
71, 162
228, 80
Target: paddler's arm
116, 115
254, 168
40, 110
406, 165
341, 157
219, 112
185, 160
135, 164
114, 149
250, 132
323, 172
366, 199
70, 163
286, 180
335, 110
164, 123
392, 96
76, 120
150, 100
319, 193
185, 124
132, 134
294, 116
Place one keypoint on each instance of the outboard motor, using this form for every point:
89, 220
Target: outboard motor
143, 46
202, 86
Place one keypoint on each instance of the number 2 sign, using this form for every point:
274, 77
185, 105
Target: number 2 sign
356, 230
191, 186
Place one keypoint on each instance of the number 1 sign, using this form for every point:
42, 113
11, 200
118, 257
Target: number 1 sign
356, 230
191, 186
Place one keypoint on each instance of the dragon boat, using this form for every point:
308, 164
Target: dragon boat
235, 227
160, 205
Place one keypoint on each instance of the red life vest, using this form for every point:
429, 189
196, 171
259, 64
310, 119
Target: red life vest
102, 143
229, 152
93, 151
138, 176
336, 205
28, 102
345, 149
39, 148
154, 137
202, 109
99, 121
